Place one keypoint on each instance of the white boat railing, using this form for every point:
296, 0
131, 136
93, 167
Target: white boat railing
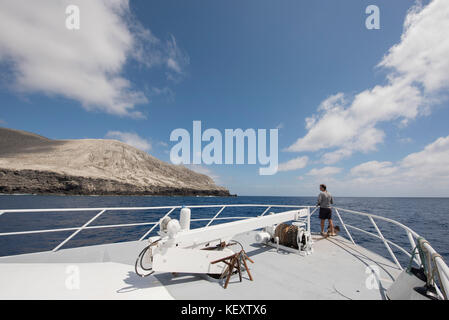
101, 211
433, 258
435, 262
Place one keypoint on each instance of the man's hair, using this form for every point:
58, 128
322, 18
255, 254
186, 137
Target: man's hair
323, 186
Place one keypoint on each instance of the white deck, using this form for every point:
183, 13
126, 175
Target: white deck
98, 280
336, 270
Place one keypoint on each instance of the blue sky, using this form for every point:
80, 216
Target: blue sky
245, 64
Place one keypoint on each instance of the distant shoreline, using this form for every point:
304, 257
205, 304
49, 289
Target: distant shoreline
34, 182
118, 195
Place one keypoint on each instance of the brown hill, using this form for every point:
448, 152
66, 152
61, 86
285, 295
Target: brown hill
30, 163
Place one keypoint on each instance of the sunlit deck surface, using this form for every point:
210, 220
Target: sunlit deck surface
337, 269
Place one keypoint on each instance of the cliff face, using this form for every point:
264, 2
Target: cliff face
30, 163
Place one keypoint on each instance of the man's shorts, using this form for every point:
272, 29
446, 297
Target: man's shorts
325, 213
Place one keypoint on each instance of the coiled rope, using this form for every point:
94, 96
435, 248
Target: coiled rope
139, 261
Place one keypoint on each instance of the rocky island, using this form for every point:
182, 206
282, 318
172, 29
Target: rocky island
30, 163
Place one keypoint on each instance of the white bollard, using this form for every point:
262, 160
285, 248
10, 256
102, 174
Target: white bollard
184, 218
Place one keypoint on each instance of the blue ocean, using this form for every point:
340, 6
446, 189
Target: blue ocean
429, 217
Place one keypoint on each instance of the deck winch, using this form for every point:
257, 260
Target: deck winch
208, 250
292, 236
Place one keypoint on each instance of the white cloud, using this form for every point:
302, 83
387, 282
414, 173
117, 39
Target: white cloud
419, 69
130, 138
324, 172
353, 126
335, 156
372, 168
421, 56
294, 164
162, 92
280, 126
163, 144
423, 173
405, 140
431, 163
176, 60
204, 170
332, 102
85, 65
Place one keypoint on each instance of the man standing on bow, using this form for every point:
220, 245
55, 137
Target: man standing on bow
324, 202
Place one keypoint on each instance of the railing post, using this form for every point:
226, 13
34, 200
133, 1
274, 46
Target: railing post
385, 243
443, 275
413, 244
149, 231
265, 211
211, 220
344, 226
308, 220
78, 231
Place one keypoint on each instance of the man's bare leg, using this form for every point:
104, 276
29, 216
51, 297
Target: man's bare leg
331, 226
322, 226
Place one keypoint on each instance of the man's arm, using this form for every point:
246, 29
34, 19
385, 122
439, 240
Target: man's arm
319, 200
